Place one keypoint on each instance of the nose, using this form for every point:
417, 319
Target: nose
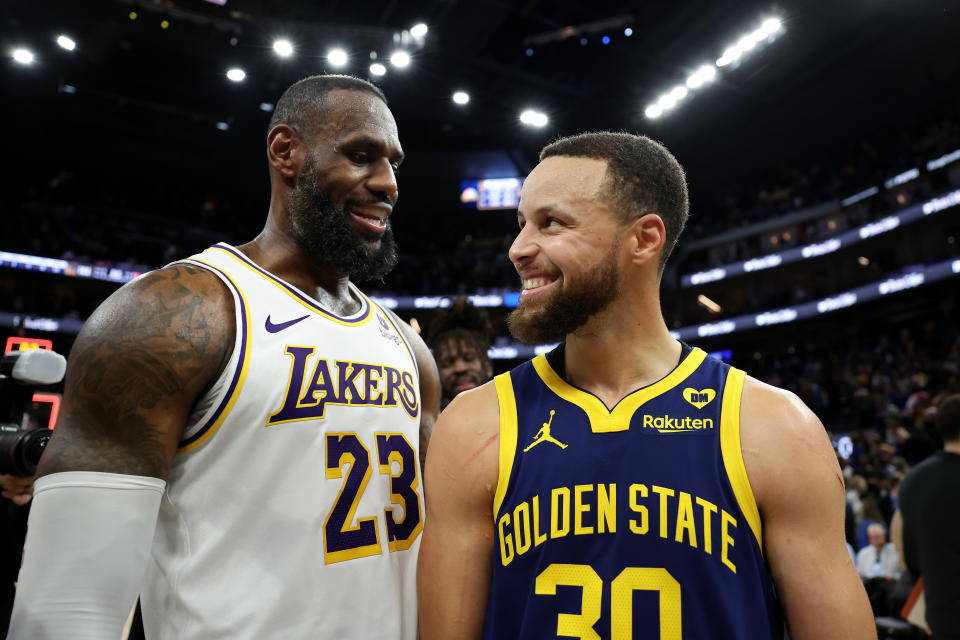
523, 248
383, 181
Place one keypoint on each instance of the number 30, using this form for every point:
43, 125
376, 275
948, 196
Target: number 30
621, 599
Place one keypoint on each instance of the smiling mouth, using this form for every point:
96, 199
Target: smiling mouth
370, 221
534, 286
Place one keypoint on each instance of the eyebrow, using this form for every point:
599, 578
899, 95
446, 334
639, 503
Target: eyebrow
547, 208
364, 140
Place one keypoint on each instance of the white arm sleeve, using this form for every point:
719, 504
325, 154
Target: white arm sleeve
88, 541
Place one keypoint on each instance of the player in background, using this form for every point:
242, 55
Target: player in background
675, 497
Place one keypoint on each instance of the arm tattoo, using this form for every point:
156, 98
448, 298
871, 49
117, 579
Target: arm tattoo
146, 357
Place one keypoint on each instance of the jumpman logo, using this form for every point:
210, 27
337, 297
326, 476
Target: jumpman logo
544, 435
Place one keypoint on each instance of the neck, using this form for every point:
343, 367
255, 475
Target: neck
952, 446
276, 251
623, 348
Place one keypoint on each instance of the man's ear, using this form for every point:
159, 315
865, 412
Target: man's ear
647, 239
284, 151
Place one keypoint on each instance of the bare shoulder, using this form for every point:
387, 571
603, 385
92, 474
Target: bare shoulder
464, 452
136, 369
784, 443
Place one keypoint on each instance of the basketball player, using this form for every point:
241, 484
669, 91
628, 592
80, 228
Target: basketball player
673, 497
239, 436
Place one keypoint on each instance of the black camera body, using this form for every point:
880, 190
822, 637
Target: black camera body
21, 372
20, 449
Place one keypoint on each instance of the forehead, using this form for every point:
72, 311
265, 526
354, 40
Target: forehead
562, 179
454, 346
348, 113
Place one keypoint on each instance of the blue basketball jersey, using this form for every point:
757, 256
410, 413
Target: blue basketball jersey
637, 522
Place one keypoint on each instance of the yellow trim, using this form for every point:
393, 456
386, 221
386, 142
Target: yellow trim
245, 357
603, 420
508, 436
733, 455
314, 306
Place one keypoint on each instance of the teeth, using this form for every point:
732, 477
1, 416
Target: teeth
533, 283
375, 220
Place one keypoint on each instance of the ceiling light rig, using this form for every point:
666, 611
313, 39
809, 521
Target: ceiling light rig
533, 118
461, 97
768, 31
283, 48
337, 58
23, 56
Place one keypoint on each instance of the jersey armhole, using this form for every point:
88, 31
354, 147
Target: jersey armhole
235, 371
732, 453
508, 437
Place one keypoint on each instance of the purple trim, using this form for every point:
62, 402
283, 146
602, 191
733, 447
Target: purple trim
236, 374
303, 298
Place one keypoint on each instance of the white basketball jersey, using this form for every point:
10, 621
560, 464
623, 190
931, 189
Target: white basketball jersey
293, 507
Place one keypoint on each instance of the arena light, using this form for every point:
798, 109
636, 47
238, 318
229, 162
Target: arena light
461, 97
266, 107
23, 56
400, 59
337, 58
223, 126
708, 304
236, 74
419, 30
283, 48
753, 40
378, 69
66, 42
701, 76
533, 118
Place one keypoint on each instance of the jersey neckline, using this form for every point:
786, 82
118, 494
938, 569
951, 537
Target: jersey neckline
603, 420
360, 317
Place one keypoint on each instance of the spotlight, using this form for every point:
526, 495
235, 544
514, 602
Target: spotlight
22, 56
666, 101
654, 111
605, 39
223, 126
337, 57
418, 30
66, 43
236, 74
731, 55
628, 32
283, 48
771, 25
377, 69
400, 59
461, 97
704, 74
534, 118
266, 106
678, 93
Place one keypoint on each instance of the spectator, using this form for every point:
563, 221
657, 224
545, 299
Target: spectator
879, 559
459, 338
929, 499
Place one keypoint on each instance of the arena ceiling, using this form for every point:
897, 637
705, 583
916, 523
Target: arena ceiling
148, 98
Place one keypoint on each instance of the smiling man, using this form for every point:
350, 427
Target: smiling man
625, 485
459, 337
239, 437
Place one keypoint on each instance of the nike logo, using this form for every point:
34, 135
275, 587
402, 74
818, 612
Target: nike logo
274, 328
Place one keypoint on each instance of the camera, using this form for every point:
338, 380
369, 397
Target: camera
20, 372
20, 449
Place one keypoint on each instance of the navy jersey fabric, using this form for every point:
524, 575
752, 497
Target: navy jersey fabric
637, 522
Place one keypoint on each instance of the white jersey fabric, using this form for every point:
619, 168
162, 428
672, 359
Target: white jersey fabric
293, 507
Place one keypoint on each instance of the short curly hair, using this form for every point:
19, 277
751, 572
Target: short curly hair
642, 177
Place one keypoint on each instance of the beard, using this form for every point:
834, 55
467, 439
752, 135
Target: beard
323, 232
569, 307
